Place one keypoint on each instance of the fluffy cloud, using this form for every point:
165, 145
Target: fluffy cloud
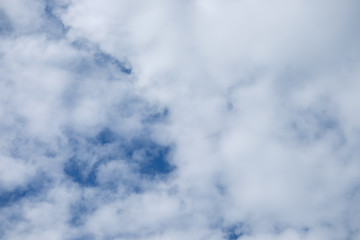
184, 119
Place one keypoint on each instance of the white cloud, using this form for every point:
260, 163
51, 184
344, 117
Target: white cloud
261, 101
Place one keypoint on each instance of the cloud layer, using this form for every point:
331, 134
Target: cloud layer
179, 119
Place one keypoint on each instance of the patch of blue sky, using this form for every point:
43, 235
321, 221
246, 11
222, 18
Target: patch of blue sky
55, 28
236, 231
157, 116
32, 189
104, 145
106, 136
315, 124
103, 59
82, 44
76, 170
280, 228
304, 229
155, 158
79, 211
144, 157
5, 24
95, 62
221, 189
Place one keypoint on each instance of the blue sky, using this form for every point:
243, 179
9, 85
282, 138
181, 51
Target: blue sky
169, 120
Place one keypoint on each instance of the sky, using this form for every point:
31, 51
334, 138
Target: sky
182, 119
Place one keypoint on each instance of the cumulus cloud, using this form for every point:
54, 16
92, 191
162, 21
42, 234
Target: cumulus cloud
179, 119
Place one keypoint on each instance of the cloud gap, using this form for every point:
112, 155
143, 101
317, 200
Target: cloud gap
74, 168
315, 124
31, 190
102, 59
80, 210
143, 156
236, 231
55, 27
157, 117
5, 24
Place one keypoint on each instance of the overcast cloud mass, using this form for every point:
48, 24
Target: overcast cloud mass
182, 119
